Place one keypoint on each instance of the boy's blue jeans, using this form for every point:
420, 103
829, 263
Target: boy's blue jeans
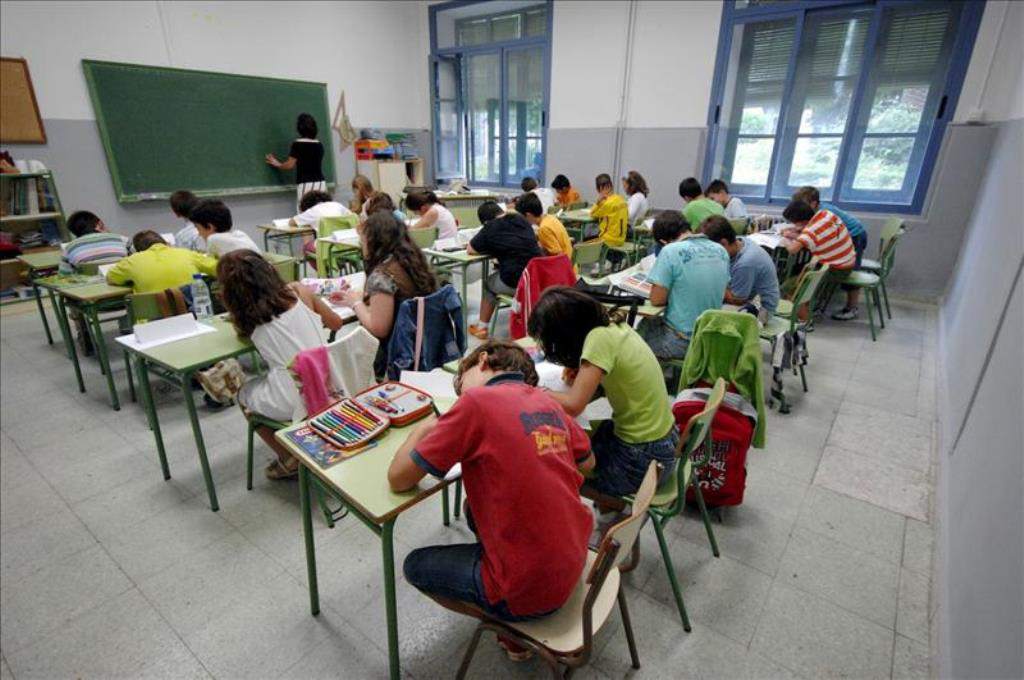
453, 572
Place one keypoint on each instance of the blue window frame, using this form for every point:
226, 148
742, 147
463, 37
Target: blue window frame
490, 72
850, 96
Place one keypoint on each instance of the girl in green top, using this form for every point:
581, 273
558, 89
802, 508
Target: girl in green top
596, 349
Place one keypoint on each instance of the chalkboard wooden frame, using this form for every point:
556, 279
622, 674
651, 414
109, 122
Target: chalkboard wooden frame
126, 195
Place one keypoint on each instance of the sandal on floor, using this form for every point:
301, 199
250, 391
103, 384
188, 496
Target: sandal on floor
278, 471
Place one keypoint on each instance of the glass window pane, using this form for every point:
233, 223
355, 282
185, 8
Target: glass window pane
483, 103
761, 111
814, 161
898, 108
474, 32
536, 22
753, 157
505, 27
524, 80
883, 163
826, 107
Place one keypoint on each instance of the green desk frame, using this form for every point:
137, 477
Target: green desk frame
40, 265
576, 222
361, 484
459, 259
176, 362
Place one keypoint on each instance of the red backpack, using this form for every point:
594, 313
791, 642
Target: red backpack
724, 477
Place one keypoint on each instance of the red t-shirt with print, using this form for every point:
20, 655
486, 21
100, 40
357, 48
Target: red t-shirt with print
519, 453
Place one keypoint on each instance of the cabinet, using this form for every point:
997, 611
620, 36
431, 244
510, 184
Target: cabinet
392, 176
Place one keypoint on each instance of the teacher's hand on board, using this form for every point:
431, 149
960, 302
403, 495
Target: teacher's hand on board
272, 160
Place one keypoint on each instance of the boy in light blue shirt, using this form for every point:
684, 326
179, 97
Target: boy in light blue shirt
751, 270
689, 277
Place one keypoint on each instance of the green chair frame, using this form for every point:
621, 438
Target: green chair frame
807, 288
423, 238
323, 258
741, 225
873, 284
670, 498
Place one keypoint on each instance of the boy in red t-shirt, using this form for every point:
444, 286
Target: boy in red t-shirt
521, 458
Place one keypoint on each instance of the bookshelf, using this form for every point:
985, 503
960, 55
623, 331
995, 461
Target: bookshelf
28, 200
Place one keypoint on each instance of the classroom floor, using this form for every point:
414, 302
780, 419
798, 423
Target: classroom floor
109, 571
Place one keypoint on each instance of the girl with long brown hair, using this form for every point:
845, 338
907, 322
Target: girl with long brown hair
636, 190
281, 320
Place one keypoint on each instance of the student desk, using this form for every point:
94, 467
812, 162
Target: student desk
362, 484
348, 246
460, 259
41, 264
286, 234
576, 222
176, 362
90, 295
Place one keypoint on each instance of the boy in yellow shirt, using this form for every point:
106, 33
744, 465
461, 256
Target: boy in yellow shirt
612, 213
551, 233
156, 266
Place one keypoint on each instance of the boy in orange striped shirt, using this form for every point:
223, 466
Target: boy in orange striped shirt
824, 235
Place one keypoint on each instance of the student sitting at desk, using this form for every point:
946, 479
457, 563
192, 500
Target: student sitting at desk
281, 320
612, 214
213, 220
598, 349
636, 189
858, 234
156, 266
751, 270
718, 191
696, 206
395, 271
182, 205
314, 205
547, 196
689, 276
551, 233
509, 238
521, 457
362, 190
432, 213
381, 202
565, 194
824, 235
93, 241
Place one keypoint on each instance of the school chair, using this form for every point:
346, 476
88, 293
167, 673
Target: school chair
891, 234
780, 323
423, 238
565, 639
873, 283
323, 258
587, 254
670, 498
578, 205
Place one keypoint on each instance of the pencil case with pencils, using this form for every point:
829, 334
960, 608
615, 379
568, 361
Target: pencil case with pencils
399, 403
348, 425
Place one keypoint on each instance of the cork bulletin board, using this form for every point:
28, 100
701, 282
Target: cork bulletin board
20, 121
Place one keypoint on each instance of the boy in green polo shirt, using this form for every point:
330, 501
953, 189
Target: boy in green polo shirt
696, 206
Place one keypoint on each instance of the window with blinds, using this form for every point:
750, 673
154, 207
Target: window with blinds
849, 98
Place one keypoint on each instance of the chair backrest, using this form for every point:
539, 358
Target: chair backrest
588, 252
423, 238
93, 268
286, 266
153, 306
888, 253
328, 225
892, 227
807, 287
465, 216
698, 430
740, 225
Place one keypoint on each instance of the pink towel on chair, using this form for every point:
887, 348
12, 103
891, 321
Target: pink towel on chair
314, 373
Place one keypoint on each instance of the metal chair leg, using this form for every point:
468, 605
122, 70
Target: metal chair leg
871, 318
885, 294
878, 306
627, 626
667, 559
248, 457
467, 658
704, 516
458, 498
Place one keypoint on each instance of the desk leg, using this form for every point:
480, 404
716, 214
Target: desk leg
69, 340
42, 312
142, 371
266, 241
197, 433
307, 533
101, 353
390, 605
465, 298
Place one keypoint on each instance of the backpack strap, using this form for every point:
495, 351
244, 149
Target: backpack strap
171, 302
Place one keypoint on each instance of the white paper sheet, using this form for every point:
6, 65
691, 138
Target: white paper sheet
134, 342
549, 376
169, 238
766, 239
438, 383
346, 236
282, 222
104, 268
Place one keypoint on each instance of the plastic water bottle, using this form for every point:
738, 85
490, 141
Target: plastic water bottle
201, 302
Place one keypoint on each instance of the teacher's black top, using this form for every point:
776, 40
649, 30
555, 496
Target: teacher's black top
308, 155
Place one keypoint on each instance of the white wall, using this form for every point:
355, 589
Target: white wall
993, 89
339, 43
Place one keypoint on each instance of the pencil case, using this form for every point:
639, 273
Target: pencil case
348, 424
399, 403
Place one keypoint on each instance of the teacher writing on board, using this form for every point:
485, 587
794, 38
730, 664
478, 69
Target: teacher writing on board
305, 156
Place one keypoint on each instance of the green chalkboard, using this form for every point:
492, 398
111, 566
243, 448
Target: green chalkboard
166, 129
